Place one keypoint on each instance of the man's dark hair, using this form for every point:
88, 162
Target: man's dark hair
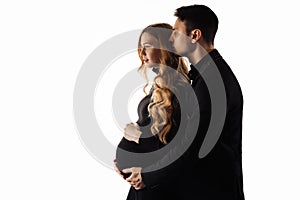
199, 17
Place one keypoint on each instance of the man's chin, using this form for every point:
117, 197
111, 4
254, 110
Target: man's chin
179, 53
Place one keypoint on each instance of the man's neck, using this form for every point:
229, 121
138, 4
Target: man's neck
199, 52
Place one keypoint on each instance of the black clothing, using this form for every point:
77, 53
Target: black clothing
216, 176
219, 174
147, 143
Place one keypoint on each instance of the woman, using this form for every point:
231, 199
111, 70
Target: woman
159, 111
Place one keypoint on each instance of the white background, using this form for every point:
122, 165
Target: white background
43, 45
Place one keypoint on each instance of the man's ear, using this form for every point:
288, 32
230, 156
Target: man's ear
195, 35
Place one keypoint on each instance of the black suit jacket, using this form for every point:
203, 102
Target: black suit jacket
219, 174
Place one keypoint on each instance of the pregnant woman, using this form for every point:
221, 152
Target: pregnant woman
159, 111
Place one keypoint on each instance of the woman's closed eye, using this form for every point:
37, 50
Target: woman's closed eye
147, 45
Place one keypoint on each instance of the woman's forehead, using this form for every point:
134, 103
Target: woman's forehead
148, 38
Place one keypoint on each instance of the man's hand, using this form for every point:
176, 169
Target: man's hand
135, 179
132, 132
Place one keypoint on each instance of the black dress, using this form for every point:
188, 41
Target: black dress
147, 143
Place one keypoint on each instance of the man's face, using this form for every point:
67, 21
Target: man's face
180, 39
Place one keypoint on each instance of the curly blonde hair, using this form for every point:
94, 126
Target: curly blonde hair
172, 73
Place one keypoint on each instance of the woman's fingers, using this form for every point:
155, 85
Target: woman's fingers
139, 186
135, 179
132, 132
131, 137
127, 170
117, 170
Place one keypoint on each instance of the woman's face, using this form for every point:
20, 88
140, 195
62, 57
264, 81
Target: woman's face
150, 52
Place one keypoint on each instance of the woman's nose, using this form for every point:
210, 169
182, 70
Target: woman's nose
143, 52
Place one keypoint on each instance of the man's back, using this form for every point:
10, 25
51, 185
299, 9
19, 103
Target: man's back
219, 174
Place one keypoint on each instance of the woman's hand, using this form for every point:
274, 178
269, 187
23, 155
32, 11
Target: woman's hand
135, 179
132, 132
117, 169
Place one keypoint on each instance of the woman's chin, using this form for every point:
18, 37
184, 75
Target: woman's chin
151, 65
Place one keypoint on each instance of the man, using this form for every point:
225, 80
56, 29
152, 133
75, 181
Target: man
218, 175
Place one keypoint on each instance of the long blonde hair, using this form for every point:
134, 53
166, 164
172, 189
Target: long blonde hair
172, 73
